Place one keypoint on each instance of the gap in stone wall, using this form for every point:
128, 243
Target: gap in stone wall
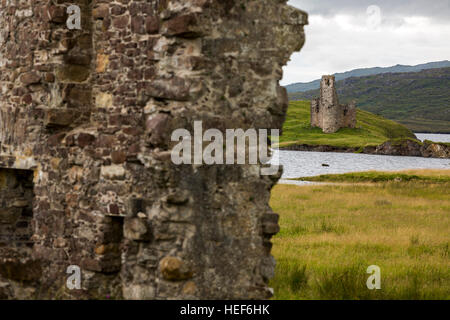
16, 208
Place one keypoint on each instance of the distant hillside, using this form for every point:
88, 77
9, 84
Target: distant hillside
419, 100
371, 130
306, 86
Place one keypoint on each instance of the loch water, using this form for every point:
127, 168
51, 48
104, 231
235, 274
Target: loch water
308, 164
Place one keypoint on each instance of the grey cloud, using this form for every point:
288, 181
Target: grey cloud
337, 45
436, 9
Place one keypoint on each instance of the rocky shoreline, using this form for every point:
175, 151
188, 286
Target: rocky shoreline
406, 147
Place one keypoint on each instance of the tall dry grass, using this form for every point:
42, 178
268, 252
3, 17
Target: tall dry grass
330, 235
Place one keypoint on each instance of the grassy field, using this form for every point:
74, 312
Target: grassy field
330, 234
371, 130
434, 176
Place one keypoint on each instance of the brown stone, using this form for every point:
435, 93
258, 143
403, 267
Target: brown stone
121, 22
55, 139
59, 117
57, 14
102, 63
60, 242
189, 288
182, 25
49, 77
152, 24
118, 10
85, 139
174, 89
27, 99
102, 11
270, 224
174, 269
100, 250
118, 156
30, 78
137, 25
157, 128
106, 141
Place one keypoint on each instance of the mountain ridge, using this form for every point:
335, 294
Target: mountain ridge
361, 72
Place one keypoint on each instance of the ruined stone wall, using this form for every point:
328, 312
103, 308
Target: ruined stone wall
349, 115
327, 113
316, 120
91, 112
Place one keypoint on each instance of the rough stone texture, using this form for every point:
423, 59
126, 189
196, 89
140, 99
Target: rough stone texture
409, 147
404, 147
435, 150
91, 111
327, 113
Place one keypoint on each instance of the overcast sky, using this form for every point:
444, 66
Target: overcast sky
347, 34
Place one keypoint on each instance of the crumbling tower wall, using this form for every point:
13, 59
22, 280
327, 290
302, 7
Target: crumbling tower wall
90, 113
327, 113
329, 102
349, 115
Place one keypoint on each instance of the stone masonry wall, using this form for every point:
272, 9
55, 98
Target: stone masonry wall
327, 113
91, 112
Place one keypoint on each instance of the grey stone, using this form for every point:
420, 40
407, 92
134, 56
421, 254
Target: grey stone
327, 113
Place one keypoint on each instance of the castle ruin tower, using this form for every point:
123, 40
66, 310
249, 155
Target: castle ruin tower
331, 117
327, 113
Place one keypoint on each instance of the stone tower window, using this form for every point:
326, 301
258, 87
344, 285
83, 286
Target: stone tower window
16, 208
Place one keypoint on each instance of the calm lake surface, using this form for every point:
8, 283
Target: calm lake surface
308, 164
433, 137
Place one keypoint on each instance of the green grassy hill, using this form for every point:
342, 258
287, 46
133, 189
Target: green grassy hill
418, 100
371, 130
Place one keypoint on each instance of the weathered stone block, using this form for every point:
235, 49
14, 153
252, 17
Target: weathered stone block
270, 224
152, 24
156, 127
102, 11
118, 156
85, 139
30, 78
173, 89
113, 172
175, 269
102, 62
57, 14
103, 100
186, 25
59, 117
136, 229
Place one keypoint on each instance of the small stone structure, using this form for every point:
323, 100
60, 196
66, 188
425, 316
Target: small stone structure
327, 113
85, 122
